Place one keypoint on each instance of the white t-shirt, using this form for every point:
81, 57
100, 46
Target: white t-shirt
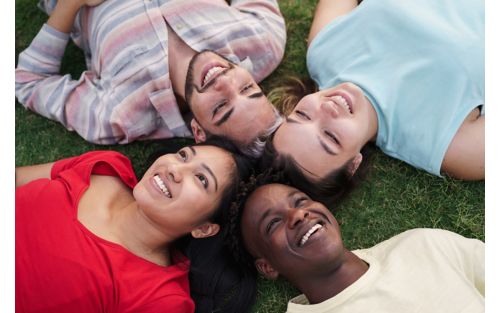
420, 270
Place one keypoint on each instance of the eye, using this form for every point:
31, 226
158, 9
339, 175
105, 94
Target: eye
271, 224
300, 201
303, 115
219, 106
332, 136
246, 88
183, 155
203, 179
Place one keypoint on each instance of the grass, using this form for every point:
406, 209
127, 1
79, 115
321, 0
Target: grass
394, 198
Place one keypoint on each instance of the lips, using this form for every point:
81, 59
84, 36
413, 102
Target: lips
310, 231
210, 72
343, 100
162, 186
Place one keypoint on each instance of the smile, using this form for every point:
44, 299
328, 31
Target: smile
159, 182
343, 102
309, 233
212, 73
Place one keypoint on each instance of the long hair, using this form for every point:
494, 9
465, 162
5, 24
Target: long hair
332, 189
216, 282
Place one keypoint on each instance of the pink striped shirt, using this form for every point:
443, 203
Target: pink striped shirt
126, 94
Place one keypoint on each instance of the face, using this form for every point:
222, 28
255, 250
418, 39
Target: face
180, 191
294, 234
327, 129
225, 99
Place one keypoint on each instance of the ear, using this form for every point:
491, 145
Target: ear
198, 132
353, 166
266, 269
205, 230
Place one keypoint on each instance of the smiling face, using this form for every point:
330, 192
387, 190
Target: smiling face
282, 227
327, 129
181, 191
225, 99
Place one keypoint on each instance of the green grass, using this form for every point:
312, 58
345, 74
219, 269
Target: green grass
394, 198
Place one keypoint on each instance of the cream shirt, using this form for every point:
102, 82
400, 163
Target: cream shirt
420, 270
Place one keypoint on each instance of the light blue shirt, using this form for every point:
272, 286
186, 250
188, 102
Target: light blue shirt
420, 63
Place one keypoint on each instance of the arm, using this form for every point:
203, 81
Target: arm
25, 174
327, 11
464, 158
39, 86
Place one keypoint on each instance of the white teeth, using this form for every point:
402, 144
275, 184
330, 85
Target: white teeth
309, 233
341, 101
162, 186
214, 70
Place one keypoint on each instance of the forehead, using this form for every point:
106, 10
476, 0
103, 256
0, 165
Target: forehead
264, 198
216, 158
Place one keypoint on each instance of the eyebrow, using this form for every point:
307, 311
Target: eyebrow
212, 174
256, 95
192, 150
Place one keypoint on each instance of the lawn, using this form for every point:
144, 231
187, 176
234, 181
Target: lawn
394, 198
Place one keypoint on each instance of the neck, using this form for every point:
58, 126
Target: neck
179, 56
324, 286
138, 234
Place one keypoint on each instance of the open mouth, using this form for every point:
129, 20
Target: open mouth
342, 102
161, 184
309, 233
211, 73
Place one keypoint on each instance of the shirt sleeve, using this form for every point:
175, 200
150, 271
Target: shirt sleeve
269, 16
467, 255
73, 103
473, 261
110, 163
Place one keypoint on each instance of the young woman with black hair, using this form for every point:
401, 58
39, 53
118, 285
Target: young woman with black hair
90, 237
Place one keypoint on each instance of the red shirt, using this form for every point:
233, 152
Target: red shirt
63, 267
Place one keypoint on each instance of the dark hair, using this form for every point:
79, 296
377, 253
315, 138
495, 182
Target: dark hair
330, 190
234, 238
216, 283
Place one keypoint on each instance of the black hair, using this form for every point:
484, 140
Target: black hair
216, 283
332, 189
234, 238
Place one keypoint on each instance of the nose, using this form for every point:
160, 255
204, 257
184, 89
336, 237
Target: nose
175, 172
224, 82
328, 107
296, 216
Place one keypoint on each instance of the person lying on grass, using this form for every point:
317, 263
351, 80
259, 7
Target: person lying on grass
280, 231
406, 76
90, 237
153, 65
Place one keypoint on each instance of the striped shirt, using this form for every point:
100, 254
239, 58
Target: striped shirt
126, 93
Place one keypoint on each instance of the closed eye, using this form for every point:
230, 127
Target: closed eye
218, 106
246, 87
303, 115
332, 136
300, 201
271, 224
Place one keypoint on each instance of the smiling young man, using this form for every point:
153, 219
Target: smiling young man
138, 53
420, 270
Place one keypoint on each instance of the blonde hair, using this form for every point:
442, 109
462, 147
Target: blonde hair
286, 96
